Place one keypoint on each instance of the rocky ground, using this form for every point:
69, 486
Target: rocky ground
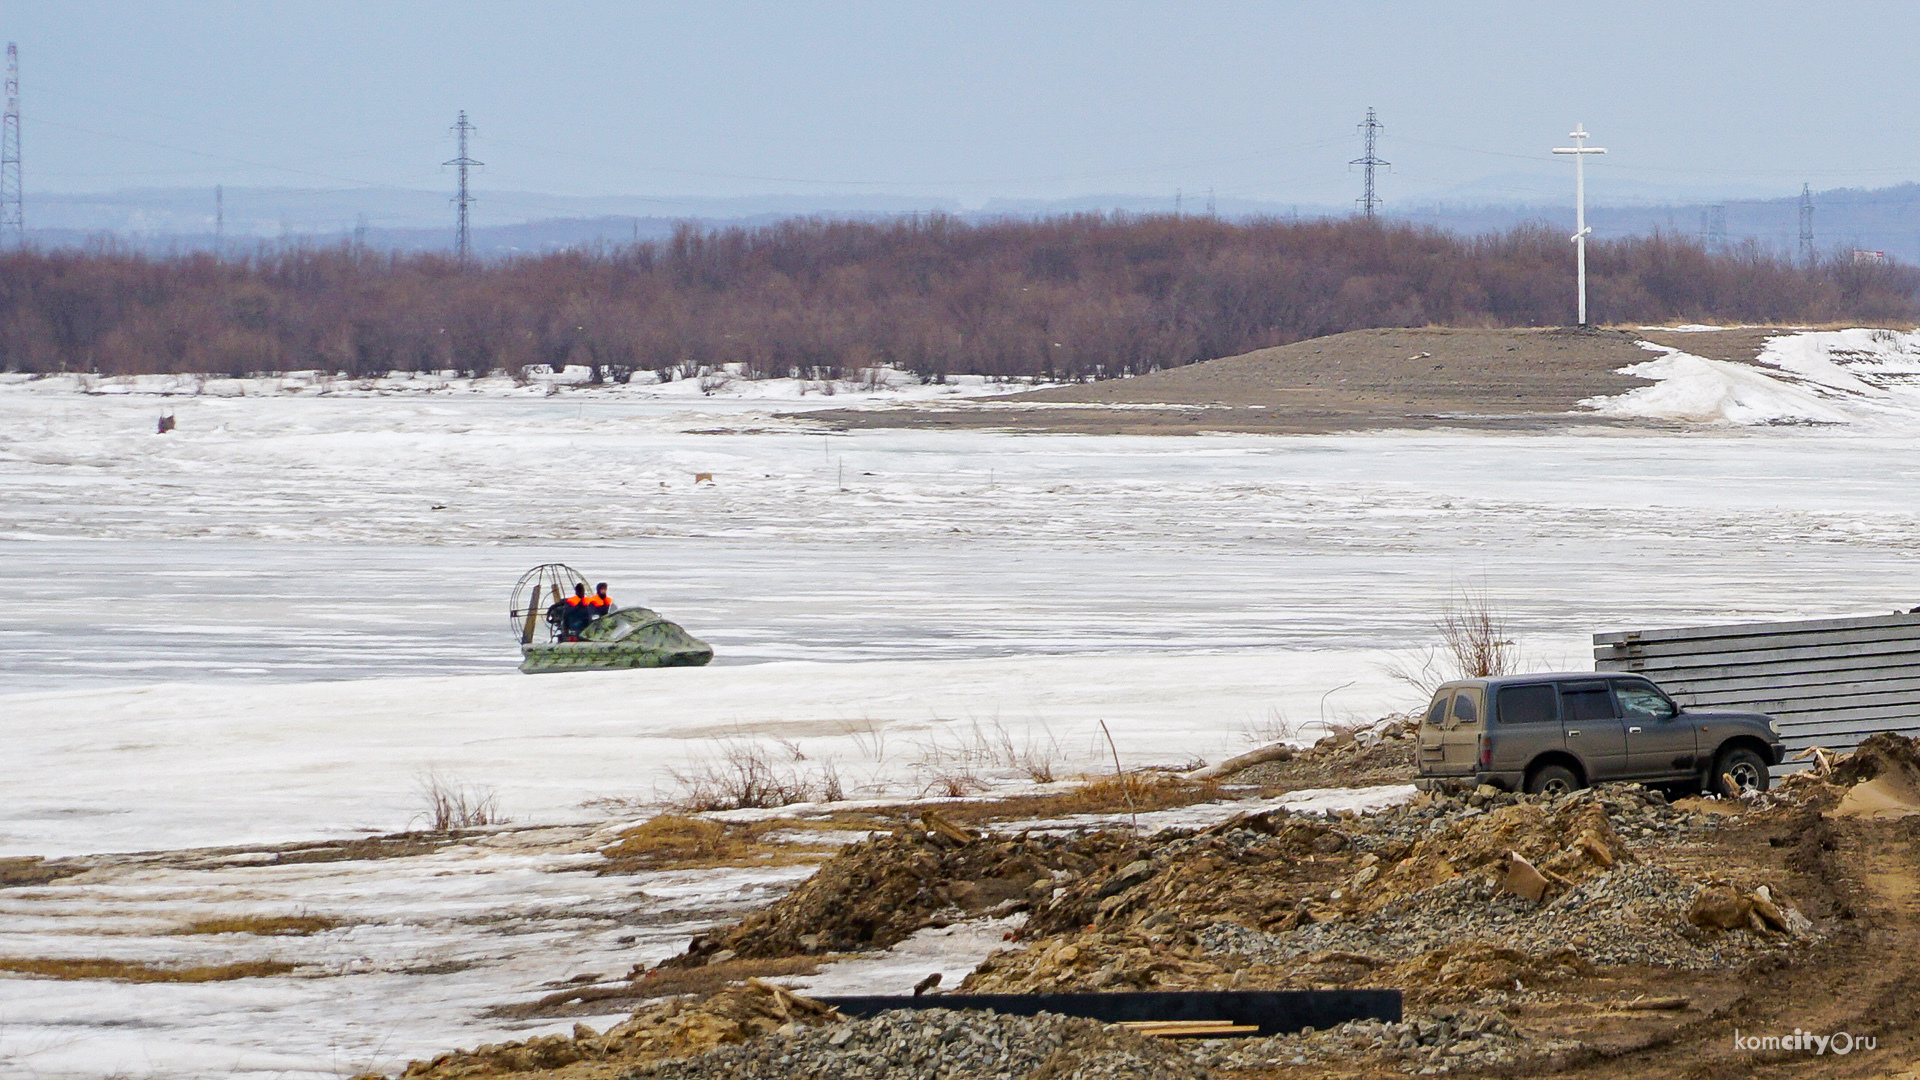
1610, 932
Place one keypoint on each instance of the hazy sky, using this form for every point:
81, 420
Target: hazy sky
968, 100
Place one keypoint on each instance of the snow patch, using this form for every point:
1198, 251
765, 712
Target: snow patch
1843, 377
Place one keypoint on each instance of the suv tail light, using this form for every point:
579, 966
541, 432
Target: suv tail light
1486, 751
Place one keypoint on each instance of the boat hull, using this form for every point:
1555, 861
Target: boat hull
628, 638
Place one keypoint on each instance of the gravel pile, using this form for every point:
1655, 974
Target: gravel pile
1440, 1042
940, 1044
1635, 812
1631, 915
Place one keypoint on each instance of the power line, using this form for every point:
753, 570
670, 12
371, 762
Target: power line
1369, 202
13, 218
462, 247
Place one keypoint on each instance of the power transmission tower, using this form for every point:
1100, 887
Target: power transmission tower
1717, 228
219, 221
13, 219
1806, 225
462, 247
1371, 128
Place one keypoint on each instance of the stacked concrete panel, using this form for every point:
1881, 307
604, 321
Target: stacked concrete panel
1830, 682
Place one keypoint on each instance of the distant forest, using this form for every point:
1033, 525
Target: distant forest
1085, 296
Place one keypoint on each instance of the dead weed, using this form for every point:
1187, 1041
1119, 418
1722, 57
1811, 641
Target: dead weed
135, 971
263, 925
676, 842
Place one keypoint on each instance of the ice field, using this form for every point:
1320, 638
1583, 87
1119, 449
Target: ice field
270, 623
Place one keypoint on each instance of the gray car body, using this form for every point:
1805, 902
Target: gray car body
1634, 743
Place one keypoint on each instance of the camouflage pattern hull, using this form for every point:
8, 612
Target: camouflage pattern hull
628, 638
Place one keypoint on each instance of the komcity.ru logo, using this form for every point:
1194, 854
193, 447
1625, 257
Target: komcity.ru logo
1837, 1043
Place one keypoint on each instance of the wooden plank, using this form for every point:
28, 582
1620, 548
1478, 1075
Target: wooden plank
1810, 639
1711, 665
1882, 714
1809, 684
1805, 697
1785, 703
1835, 734
1898, 649
1754, 629
1877, 667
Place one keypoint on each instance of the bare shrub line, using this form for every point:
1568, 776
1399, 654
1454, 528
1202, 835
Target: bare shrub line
454, 805
743, 775
1474, 644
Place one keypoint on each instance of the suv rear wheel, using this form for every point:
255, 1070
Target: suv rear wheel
1746, 768
1552, 780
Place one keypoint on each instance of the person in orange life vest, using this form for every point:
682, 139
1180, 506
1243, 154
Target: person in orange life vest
571, 615
600, 602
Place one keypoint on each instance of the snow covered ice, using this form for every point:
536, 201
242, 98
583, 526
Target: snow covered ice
269, 624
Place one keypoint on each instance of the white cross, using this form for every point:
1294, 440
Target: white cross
1580, 150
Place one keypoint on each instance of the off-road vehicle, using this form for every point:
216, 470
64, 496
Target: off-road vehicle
1557, 732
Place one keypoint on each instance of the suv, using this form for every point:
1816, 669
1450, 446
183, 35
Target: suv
1554, 733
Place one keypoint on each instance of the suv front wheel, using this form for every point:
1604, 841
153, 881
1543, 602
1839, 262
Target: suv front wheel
1747, 769
1552, 780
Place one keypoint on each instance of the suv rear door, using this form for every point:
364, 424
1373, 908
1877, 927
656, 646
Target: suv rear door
1450, 732
1460, 738
1595, 733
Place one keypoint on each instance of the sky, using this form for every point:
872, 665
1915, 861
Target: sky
972, 101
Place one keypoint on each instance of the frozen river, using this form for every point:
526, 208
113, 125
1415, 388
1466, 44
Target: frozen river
275, 539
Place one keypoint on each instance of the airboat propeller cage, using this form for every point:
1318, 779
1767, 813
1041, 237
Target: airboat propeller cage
631, 637
537, 590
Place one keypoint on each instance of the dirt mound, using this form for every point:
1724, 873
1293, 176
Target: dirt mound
1416, 377
878, 892
673, 1028
1380, 754
1564, 840
1883, 753
1280, 899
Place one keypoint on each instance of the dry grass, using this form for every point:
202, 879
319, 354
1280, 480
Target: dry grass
744, 776
1127, 793
667, 982
659, 983
263, 925
957, 762
400, 846
453, 805
674, 842
134, 971
34, 870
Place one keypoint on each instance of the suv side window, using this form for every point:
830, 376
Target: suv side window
1464, 709
1587, 701
1641, 701
1437, 713
1535, 704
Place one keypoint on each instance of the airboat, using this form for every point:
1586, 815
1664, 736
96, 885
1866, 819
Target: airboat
627, 637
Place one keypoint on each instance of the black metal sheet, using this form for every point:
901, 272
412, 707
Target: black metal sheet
1275, 1012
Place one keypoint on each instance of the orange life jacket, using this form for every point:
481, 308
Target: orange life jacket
577, 601
599, 601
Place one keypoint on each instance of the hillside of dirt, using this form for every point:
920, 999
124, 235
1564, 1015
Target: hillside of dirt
1394, 378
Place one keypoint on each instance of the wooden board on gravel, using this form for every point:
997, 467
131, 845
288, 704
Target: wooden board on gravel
1366, 379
